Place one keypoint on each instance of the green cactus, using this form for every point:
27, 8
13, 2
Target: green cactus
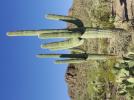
26, 33
57, 30
37, 32
69, 19
68, 33
68, 61
70, 43
88, 33
60, 17
59, 48
59, 35
80, 29
100, 33
84, 56
80, 32
71, 49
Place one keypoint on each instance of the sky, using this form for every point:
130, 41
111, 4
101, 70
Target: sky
22, 75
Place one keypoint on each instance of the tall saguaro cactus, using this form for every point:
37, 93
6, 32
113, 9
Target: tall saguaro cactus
76, 58
75, 36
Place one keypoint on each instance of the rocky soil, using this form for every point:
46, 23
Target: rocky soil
98, 13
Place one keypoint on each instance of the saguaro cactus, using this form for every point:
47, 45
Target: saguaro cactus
75, 36
76, 58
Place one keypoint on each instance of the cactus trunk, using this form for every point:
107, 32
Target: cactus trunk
100, 33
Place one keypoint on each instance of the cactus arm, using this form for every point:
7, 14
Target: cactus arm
62, 56
26, 33
60, 17
48, 55
74, 42
59, 35
69, 19
37, 32
59, 48
68, 61
71, 49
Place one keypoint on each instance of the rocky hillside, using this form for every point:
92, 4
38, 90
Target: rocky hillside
101, 14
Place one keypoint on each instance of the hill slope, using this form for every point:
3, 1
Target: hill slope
98, 13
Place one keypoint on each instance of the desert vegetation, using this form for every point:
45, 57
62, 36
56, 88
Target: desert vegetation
101, 44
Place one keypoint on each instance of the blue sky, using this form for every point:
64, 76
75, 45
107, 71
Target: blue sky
22, 75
